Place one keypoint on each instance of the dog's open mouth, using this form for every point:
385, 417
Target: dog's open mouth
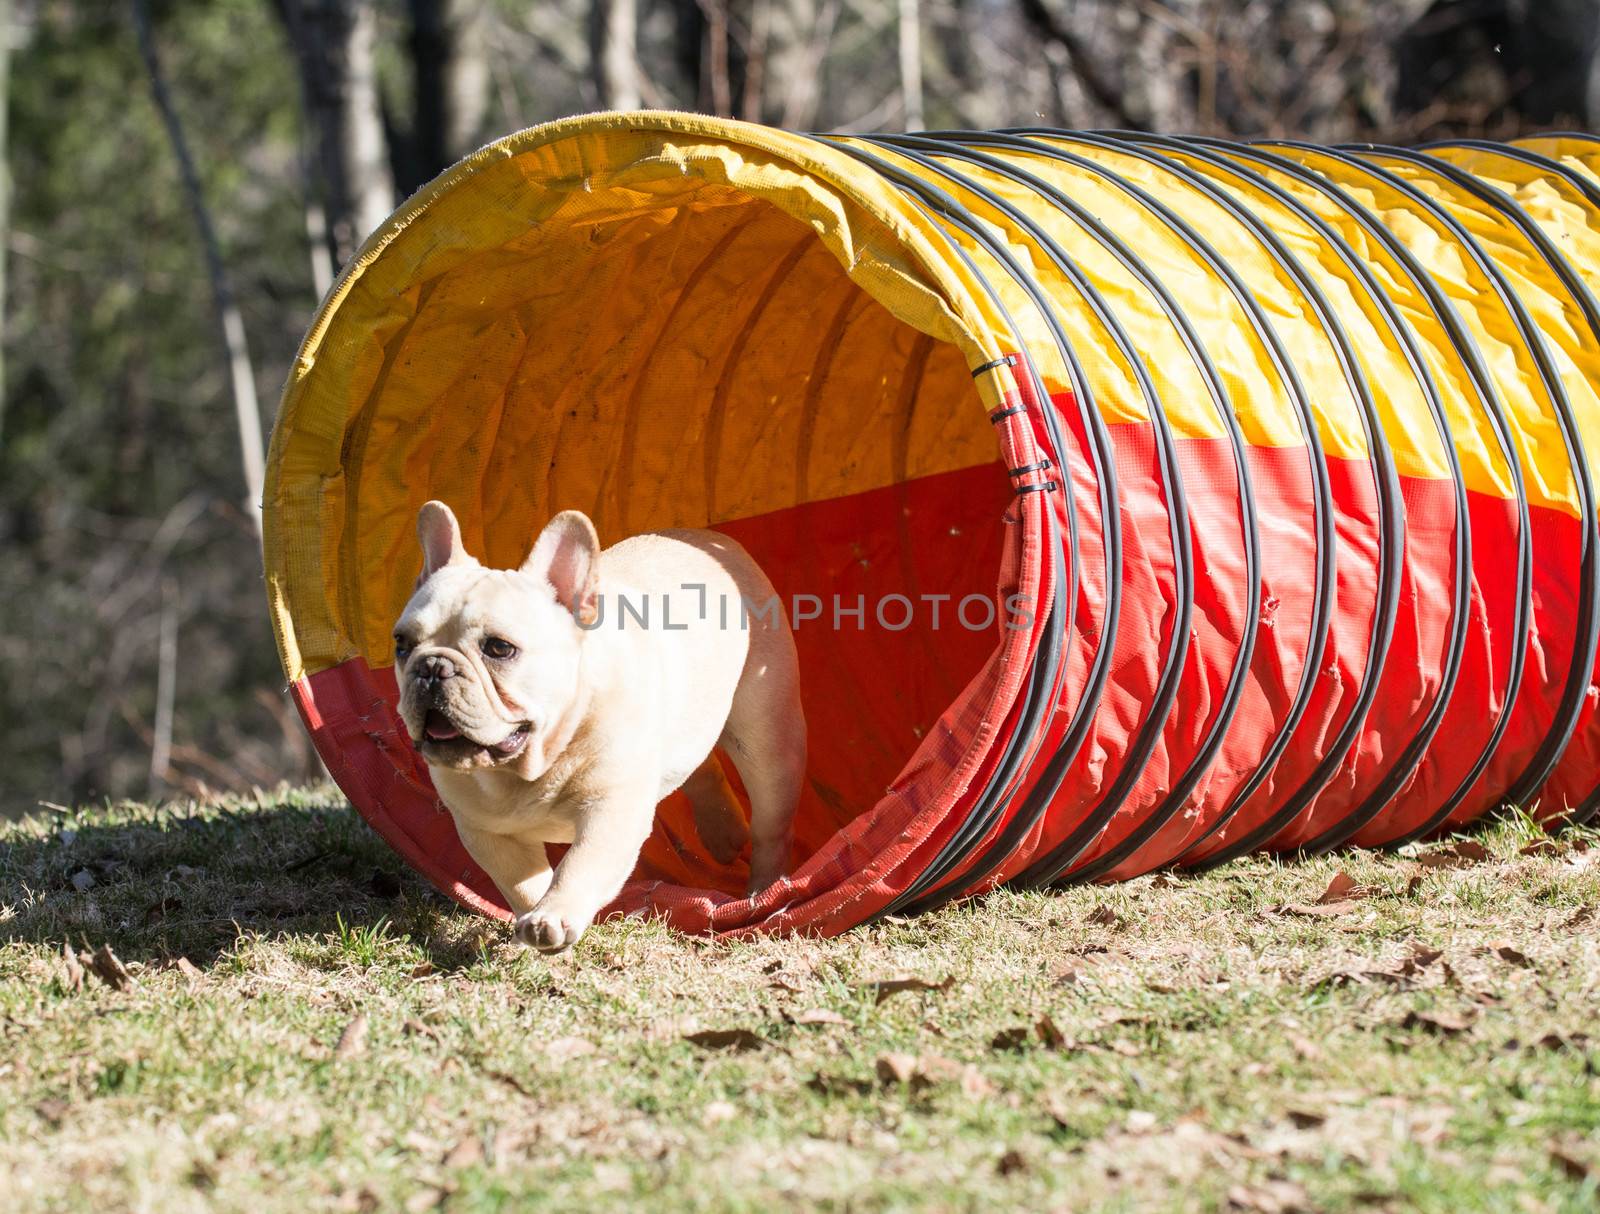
442, 734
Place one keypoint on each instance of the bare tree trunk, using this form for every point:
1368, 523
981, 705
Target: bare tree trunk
1056, 28
717, 79
335, 45
800, 33
5, 189
236, 350
755, 60
450, 60
166, 687
911, 65
613, 44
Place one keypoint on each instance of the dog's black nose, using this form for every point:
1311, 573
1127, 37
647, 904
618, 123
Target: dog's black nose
435, 668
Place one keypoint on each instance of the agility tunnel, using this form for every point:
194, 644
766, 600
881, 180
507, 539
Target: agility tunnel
1137, 501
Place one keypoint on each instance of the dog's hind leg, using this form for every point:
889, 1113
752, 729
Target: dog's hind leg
717, 817
766, 739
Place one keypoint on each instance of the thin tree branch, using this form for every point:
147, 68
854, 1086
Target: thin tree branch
236, 351
1047, 24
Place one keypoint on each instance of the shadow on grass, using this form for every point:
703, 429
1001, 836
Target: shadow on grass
188, 880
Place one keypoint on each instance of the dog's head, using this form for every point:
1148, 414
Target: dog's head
488, 660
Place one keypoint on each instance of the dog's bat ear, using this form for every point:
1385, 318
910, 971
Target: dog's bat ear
567, 554
440, 536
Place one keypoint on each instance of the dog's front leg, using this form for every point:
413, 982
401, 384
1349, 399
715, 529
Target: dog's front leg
518, 866
605, 847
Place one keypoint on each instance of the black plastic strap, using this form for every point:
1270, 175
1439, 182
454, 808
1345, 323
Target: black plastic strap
1042, 487
1027, 468
1002, 414
1009, 360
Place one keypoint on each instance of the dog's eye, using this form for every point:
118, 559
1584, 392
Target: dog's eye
494, 647
402, 649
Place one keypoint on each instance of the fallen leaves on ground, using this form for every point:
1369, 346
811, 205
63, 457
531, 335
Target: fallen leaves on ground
1011, 1163
107, 967
1457, 855
1575, 1156
1339, 898
465, 1153
1106, 917
737, 1040
883, 988
1440, 1023
52, 1110
923, 1071
1510, 953
353, 1040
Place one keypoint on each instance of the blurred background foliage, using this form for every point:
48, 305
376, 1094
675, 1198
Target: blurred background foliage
135, 655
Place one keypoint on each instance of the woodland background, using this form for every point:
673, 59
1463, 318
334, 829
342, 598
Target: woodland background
135, 654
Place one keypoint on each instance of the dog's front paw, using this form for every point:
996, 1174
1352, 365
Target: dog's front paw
549, 931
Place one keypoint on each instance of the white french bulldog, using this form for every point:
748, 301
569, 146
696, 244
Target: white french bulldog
561, 701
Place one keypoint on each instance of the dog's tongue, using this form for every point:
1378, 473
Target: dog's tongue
438, 727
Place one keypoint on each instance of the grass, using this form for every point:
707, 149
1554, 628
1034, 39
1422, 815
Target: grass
339, 1037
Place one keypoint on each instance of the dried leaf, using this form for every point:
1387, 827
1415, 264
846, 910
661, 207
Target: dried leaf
1441, 1024
1307, 1049
838, 1085
465, 1153
423, 969
72, 971
1165, 880
1049, 1035
1011, 1039
353, 1040
415, 1028
1458, 855
510, 1080
885, 987
1106, 917
191, 972
819, 1015
738, 1040
1011, 1163
1542, 847
896, 1068
782, 984
1343, 888
53, 1110
1413, 885
1573, 1160
108, 968
1306, 1119
83, 880
1316, 910
1507, 952
932, 1068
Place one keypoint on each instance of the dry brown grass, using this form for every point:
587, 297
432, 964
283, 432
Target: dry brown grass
339, 1037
